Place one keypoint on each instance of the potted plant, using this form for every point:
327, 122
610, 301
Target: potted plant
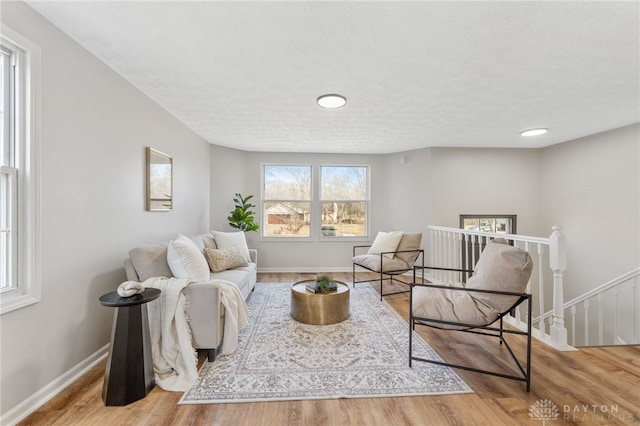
242, 217
324, 284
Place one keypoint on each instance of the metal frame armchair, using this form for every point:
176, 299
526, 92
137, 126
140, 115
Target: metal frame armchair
390, 263
494, 290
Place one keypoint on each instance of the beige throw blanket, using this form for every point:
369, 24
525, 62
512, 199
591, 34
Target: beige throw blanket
236, 314
174, 359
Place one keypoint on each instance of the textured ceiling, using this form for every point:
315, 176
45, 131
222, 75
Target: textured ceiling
416, 74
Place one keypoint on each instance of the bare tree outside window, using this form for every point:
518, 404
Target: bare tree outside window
343, 195
290, 209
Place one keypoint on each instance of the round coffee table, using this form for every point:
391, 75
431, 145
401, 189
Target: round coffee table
319, 309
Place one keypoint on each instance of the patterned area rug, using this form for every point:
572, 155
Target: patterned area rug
279, 358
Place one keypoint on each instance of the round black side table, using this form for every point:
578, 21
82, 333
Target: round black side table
129, 373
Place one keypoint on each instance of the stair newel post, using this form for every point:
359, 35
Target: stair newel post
558, 264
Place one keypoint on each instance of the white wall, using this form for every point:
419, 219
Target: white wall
434, 186
237, 171
591, 186
94, 128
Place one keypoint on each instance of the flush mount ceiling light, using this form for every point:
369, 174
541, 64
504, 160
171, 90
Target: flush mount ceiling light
533, 132
332, 101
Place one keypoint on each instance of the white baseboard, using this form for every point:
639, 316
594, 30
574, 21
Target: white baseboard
38, 399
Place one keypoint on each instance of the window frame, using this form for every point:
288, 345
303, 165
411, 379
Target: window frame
24, 173
264, 201
315, 202
366, 202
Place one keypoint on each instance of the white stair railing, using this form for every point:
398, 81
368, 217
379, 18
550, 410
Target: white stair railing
606, 300
460, 249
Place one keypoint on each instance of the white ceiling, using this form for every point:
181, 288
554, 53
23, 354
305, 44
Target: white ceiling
416, 74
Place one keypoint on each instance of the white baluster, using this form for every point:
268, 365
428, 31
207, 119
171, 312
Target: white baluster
459, 249
472, 262
432, 255
466, 251
586, 323
636, 315
449, 255
541, 288
616, 330
600, 320
573, 325
558, 264
437, 253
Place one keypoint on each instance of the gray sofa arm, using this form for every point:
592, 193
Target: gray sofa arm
253, 254
204, 309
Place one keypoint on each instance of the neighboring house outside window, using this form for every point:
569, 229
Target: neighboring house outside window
19, 231
286, 201
297, 199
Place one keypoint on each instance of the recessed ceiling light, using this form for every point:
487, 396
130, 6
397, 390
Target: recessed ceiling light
332, 101
534, 132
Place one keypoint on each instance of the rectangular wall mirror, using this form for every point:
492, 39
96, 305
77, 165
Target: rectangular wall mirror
159, 181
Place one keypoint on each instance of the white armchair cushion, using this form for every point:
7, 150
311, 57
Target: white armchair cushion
232, 240
500, 267
186, 261
386, 242
409, 242
373, 263
451, 305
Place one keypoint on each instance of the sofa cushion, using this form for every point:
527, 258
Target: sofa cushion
232, 240
203, 241
500, 267
385, 242
186, 261
150, 261
244, 277
223, 259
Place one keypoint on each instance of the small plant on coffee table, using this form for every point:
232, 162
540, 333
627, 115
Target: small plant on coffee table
324, 284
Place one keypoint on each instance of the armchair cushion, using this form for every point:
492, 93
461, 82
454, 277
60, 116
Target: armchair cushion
501, 267
451, 305
409, 242
386, 242
373, 263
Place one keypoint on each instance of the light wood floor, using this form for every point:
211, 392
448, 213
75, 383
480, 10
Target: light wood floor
596, 385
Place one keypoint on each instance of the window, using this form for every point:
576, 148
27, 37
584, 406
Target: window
343, 200
495, 224
19, 72
301, 201
287, 201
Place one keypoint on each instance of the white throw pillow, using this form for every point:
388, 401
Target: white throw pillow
186, 261
233, 241
386, 242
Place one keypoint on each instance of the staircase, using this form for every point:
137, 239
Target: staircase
596, 317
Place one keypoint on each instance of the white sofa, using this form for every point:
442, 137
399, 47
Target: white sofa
204, 309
